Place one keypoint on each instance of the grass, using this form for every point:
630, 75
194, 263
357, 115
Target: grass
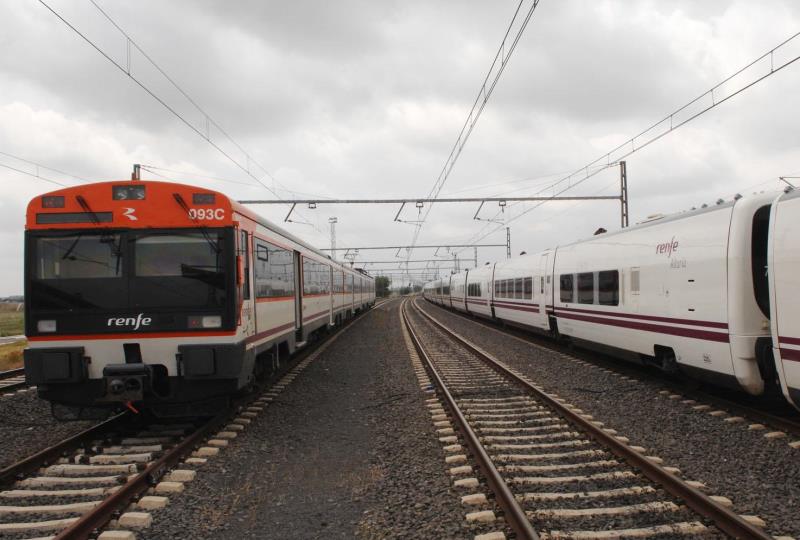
11, 323
11, 355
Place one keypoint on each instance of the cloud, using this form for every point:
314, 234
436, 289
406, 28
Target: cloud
361, 98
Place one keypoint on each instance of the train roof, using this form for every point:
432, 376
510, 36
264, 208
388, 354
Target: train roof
141, 204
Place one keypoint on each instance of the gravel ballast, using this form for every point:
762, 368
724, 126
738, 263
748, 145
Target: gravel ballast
760, 476
347, 450
26, 426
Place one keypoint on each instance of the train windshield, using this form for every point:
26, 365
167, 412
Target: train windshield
118, 270
178, 269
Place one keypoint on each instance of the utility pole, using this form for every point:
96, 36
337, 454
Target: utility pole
136, 175
476, 257
623, 192
333, 221
508, 242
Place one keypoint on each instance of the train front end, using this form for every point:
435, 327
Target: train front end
131, 297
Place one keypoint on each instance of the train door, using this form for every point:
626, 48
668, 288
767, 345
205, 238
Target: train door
784, 283
331, 294
298, 296
466, 291
450, 291
491, 291
245, 280
544, 290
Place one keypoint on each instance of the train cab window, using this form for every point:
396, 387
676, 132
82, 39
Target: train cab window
567, 287
759, 258
85, 256
528, 288
608, 288
586, 288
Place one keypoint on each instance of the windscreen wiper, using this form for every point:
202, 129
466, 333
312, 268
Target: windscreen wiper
88, 210
203, 228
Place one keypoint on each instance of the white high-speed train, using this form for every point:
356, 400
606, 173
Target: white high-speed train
710, 292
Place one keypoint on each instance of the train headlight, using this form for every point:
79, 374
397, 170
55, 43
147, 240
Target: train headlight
205, 321
47, 325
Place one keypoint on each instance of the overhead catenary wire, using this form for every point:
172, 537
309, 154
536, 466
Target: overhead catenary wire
502, 56
209, 120
669, 124
39, 176
42, 166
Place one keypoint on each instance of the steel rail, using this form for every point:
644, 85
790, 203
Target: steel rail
11, 373
13, 387
514, 514
90, 522
724, 519
741, 409
51, 454
101, 514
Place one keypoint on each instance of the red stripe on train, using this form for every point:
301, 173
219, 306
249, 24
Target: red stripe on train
647, 327
691, 322
790, 354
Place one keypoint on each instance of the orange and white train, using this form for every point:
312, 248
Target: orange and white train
168, 296
712, 293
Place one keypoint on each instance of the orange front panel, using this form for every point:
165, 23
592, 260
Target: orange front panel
165, 205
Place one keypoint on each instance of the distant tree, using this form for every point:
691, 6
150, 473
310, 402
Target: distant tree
382, 284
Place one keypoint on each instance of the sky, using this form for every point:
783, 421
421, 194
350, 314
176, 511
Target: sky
365, 99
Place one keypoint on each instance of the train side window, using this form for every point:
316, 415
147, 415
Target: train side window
567, 288
274, 271
635, 284
586, 288
518, 288
528, 288
497, 288
608, 288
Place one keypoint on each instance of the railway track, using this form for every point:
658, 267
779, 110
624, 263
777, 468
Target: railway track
106, 473
554, 471
77, 486
750, 407
12, 380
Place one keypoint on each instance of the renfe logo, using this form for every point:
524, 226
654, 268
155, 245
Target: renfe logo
668, 247
137, 322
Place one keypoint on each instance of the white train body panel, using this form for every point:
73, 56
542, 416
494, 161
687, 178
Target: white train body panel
515, 303
479, 287
688, 290
784, 266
